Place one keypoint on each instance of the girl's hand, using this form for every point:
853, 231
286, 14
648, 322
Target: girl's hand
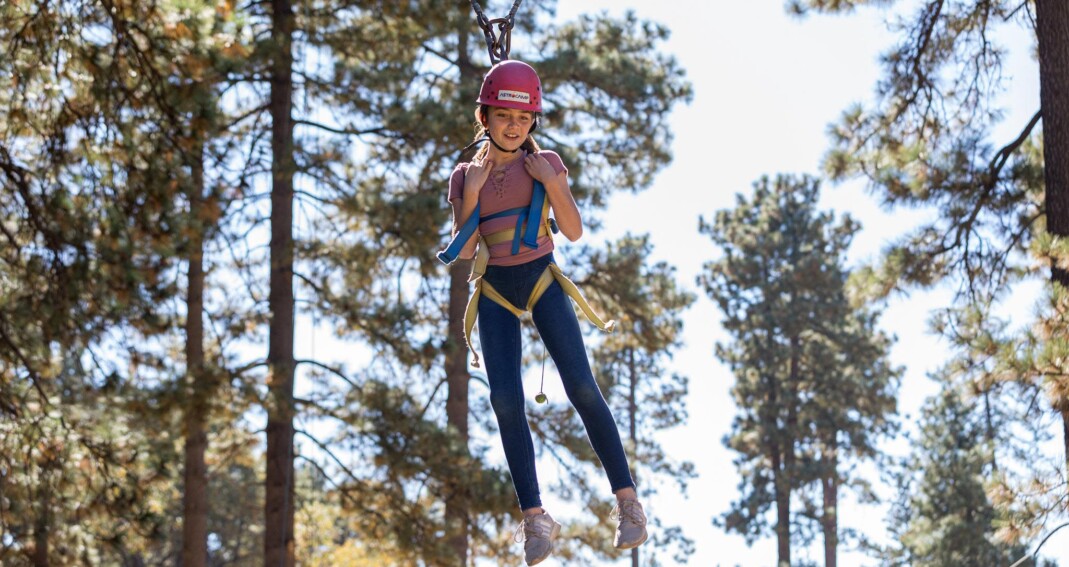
476, 176
539, 168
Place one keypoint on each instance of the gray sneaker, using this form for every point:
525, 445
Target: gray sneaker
632, 529
538, 531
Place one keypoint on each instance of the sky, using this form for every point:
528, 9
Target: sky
766, 88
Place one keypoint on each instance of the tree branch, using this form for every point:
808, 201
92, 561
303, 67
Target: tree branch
238, 372
341, 131
990, 182
440, 55
334, 371
246, 115
344, 469
997, 162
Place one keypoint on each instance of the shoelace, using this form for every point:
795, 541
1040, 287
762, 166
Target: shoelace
628, 510
525, 530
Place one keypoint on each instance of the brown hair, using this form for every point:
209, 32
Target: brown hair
480, 131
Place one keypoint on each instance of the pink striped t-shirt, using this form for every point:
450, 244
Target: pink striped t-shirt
507, 188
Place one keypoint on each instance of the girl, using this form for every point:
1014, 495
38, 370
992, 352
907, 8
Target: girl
501, 202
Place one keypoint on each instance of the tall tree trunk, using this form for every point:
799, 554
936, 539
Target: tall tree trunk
830, 518
278, 503
42, 527
1065, 432
632, 416
456, 406
989, 426
779, 448
456, 354
785, 479
782, 491
198, 389
1052, 30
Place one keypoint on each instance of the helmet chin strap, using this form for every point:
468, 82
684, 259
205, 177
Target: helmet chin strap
488, 137
498, 146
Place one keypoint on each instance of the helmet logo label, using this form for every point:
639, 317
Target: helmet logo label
515, 96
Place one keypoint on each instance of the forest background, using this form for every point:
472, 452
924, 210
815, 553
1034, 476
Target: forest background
151, 150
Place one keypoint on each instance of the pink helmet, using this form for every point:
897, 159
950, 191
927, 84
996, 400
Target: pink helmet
512, 84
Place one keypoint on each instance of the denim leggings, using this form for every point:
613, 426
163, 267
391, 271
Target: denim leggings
499, 332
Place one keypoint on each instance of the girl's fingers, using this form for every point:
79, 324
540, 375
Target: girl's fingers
533, 165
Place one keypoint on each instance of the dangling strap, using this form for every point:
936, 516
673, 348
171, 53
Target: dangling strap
482, 258
470, 313
553, 272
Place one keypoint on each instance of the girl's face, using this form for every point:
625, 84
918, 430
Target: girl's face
509, 126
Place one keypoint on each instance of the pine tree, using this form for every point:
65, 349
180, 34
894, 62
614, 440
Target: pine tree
851, 405
990, 359
198, 44
86, 213
944, 517
279, 503
84, 483
1052, 33
813, 384
927, 141
170, 189
425, 75
91, 199
630, 368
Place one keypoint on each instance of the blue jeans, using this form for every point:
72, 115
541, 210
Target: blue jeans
499, 332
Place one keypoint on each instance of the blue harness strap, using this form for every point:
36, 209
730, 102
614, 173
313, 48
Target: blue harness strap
534, 216
531, 213
449, 255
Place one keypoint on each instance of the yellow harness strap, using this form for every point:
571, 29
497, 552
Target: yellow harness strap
482, 256
507, 235
552, 273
